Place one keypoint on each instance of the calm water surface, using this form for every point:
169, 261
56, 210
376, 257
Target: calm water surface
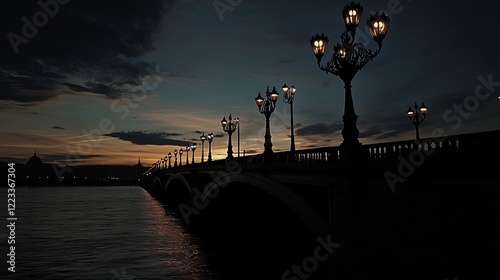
102, 233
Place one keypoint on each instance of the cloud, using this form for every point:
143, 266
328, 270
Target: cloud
319, 129
58, 127
86, 46
295, 125
378, 133
149, 138
71, 159
285, 61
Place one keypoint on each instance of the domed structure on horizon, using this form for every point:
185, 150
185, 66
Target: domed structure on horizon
36, 173
34, 161
139, 164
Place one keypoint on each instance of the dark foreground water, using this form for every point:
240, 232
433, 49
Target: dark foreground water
100, 233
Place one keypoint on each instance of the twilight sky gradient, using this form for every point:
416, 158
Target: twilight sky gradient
107, 82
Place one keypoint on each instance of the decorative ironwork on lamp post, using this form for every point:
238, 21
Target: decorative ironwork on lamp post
288, 97
175, 154
348, 58
193, 148
210, 138
203, 137
417, 116
229, 126
266, 107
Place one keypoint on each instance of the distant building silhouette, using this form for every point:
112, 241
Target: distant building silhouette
37, 173
34, 161
35, 170
139, 164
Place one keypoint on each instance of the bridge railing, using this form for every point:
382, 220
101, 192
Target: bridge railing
472, 145
307, 156
464, 146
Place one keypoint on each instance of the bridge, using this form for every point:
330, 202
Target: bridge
427, 209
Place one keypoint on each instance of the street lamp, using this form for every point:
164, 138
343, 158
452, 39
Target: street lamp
288, 97
180, 157
169, 157
175, 154
229, 127
267, 107
210, 137
193, 148
237, 120
203, 138
348, 58
417, 116
187, 154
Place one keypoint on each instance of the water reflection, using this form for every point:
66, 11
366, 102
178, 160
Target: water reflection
173, 246
102, 233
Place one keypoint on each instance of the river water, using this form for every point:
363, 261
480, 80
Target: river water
102, 233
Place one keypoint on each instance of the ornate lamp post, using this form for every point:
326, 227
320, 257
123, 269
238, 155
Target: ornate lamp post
229, 127
169, 159
180, 157
193, 148
348, 58
210, 138
203, 138
288, 97
187, 154
417, 116
266, 107
175, 154
237, 120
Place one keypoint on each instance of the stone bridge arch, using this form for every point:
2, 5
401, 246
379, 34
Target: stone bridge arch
182, 179
157, 185
292, 200
175, 189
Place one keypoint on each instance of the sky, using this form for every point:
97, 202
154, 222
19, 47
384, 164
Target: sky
109, 82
